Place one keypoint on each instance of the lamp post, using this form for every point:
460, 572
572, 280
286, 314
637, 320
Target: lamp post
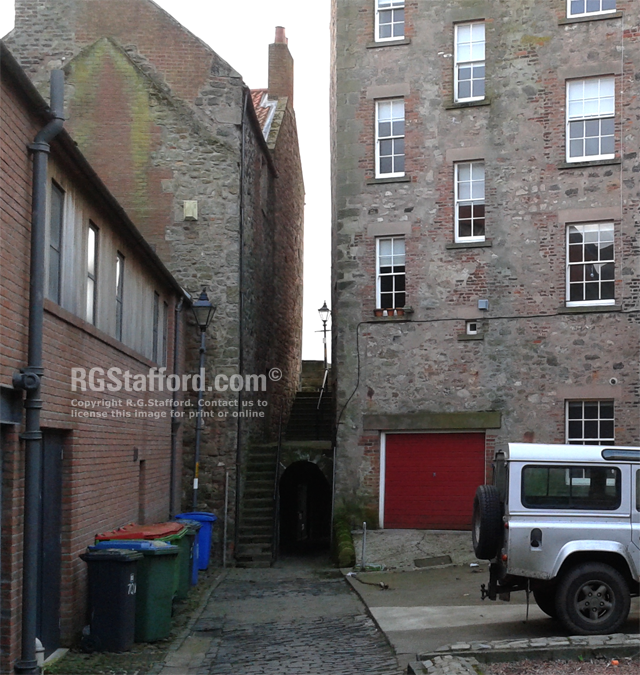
324, 312
203, 312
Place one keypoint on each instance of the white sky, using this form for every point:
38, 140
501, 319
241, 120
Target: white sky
242, 39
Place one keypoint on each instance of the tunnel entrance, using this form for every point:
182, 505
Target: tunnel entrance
305, 509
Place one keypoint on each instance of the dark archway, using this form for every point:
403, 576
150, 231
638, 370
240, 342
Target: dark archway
305, 509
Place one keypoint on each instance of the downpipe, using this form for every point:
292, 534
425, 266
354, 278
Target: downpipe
30, 379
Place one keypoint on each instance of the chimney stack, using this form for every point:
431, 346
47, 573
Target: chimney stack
280, 67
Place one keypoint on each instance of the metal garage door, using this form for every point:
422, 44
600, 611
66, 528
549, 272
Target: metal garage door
430, 480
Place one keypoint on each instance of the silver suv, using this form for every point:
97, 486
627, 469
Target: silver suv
563, 521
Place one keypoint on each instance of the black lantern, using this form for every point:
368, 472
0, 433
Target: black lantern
203, 310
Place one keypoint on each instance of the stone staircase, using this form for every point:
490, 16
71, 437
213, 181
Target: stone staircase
257, 512
307, 423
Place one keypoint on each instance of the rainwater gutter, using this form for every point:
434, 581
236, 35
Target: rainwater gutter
29, 379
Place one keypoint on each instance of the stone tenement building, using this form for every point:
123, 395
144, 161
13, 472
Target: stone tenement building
486, 197
169, 125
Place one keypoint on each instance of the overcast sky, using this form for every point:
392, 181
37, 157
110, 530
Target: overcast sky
242, 38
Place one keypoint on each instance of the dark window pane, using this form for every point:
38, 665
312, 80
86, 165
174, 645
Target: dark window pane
399, 15
607, 271
592, 147
464, 89
606, 429
400, 299
576, 293
398, 268
575, 410
607, 126
575, 236
385, 16
54, 275
398, 146
464, 73
400, 282
591, 429
478, 210
386, 300
464, 211
399, 164
576, 273
478, 72
478, 87
386, 283
608, 290
606, 252
577, 6
592, 290
385, 269
385, 165
592, 128
384, 129
398, 30
464, 228
478, 228
398, 128
575, 149
606, 410
591, 410
608, 145
593, 5
576, 129
385, 31
575, 429
608, 4
576, 253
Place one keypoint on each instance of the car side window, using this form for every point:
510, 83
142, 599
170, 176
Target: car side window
571, 487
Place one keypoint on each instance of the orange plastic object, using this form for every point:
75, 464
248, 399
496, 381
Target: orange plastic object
134, 531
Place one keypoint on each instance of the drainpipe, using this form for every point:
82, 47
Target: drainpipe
30, 377
240, 313
175, 419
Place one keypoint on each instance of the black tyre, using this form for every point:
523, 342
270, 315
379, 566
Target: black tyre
593, 599
487, 527
545, 597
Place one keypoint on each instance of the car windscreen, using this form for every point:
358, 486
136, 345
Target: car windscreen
571, 487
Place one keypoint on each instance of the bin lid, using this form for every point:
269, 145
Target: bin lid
154, 547
191, 524
134, 531
198, 515
111, 554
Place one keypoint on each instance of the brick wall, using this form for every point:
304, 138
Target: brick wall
534, 354
102, 456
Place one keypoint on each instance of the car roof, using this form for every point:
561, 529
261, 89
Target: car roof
556, 452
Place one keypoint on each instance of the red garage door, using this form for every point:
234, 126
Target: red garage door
431, 479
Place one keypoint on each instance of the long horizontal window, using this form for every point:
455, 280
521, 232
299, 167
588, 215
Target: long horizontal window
571, 487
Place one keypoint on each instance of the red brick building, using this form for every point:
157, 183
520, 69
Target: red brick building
108, 457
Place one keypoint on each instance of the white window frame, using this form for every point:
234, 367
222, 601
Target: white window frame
54, 269
597, 12
468, 63
120, 272
389, 6
91, 299
582, 440
393, 137
472, 202
584, 263
589, 118
379, 274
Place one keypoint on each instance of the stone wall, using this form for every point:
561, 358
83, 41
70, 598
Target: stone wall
533, 353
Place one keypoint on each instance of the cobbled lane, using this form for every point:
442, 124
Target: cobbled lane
291, 620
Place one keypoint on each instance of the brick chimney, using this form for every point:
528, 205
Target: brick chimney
280, 67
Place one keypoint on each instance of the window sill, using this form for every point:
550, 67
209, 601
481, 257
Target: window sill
584, 19
389, 43
487, 243
589, 309
468, 104
586, 165
391, 179
463, 337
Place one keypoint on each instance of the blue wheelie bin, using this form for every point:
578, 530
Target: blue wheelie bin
204, 535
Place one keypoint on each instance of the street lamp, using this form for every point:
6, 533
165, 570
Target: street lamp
203, 312
324, 312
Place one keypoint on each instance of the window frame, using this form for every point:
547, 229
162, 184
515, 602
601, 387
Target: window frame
164, 357
393, 6
584, 119
92, 277
392, 137
379, 274
120, 271
600, 302
55, 294
583, 440
458, 238
156, 327
468, 63
571, 15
